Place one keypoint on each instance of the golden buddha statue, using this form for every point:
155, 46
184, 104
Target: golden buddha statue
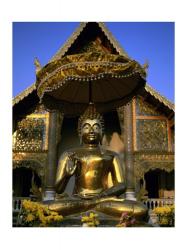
98, 175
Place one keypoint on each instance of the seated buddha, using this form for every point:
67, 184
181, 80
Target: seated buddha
99, 180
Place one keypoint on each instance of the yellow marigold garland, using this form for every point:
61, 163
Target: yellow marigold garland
36, 214
166, 215
91, 220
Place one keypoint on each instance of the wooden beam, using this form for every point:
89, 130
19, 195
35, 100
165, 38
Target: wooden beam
128, 140
172, 122
47, 132
134, 124
150, 117
50, 171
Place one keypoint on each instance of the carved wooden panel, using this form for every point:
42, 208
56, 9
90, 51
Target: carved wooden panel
93, 46
39, 109
152, 135
33, 165
145, 108
143, 166
30, 134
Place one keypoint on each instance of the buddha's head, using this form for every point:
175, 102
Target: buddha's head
90, 126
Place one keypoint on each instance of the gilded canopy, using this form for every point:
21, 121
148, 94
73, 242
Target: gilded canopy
108, 80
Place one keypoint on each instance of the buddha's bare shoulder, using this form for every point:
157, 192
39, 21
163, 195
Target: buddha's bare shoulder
81, 151
72, 152
68, 152
109, 153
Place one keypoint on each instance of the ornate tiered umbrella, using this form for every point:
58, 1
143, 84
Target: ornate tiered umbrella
72, 82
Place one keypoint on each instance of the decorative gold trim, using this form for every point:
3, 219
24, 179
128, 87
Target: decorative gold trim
37, 115
112, 40
159, 97
24, 94
154, 157
140, 169
146, 162
37, 158
63, 49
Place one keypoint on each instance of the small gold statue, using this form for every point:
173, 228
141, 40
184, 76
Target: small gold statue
98, 175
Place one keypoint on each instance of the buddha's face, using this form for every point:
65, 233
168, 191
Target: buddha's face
91, 131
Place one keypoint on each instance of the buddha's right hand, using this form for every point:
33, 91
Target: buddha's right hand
71, 163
